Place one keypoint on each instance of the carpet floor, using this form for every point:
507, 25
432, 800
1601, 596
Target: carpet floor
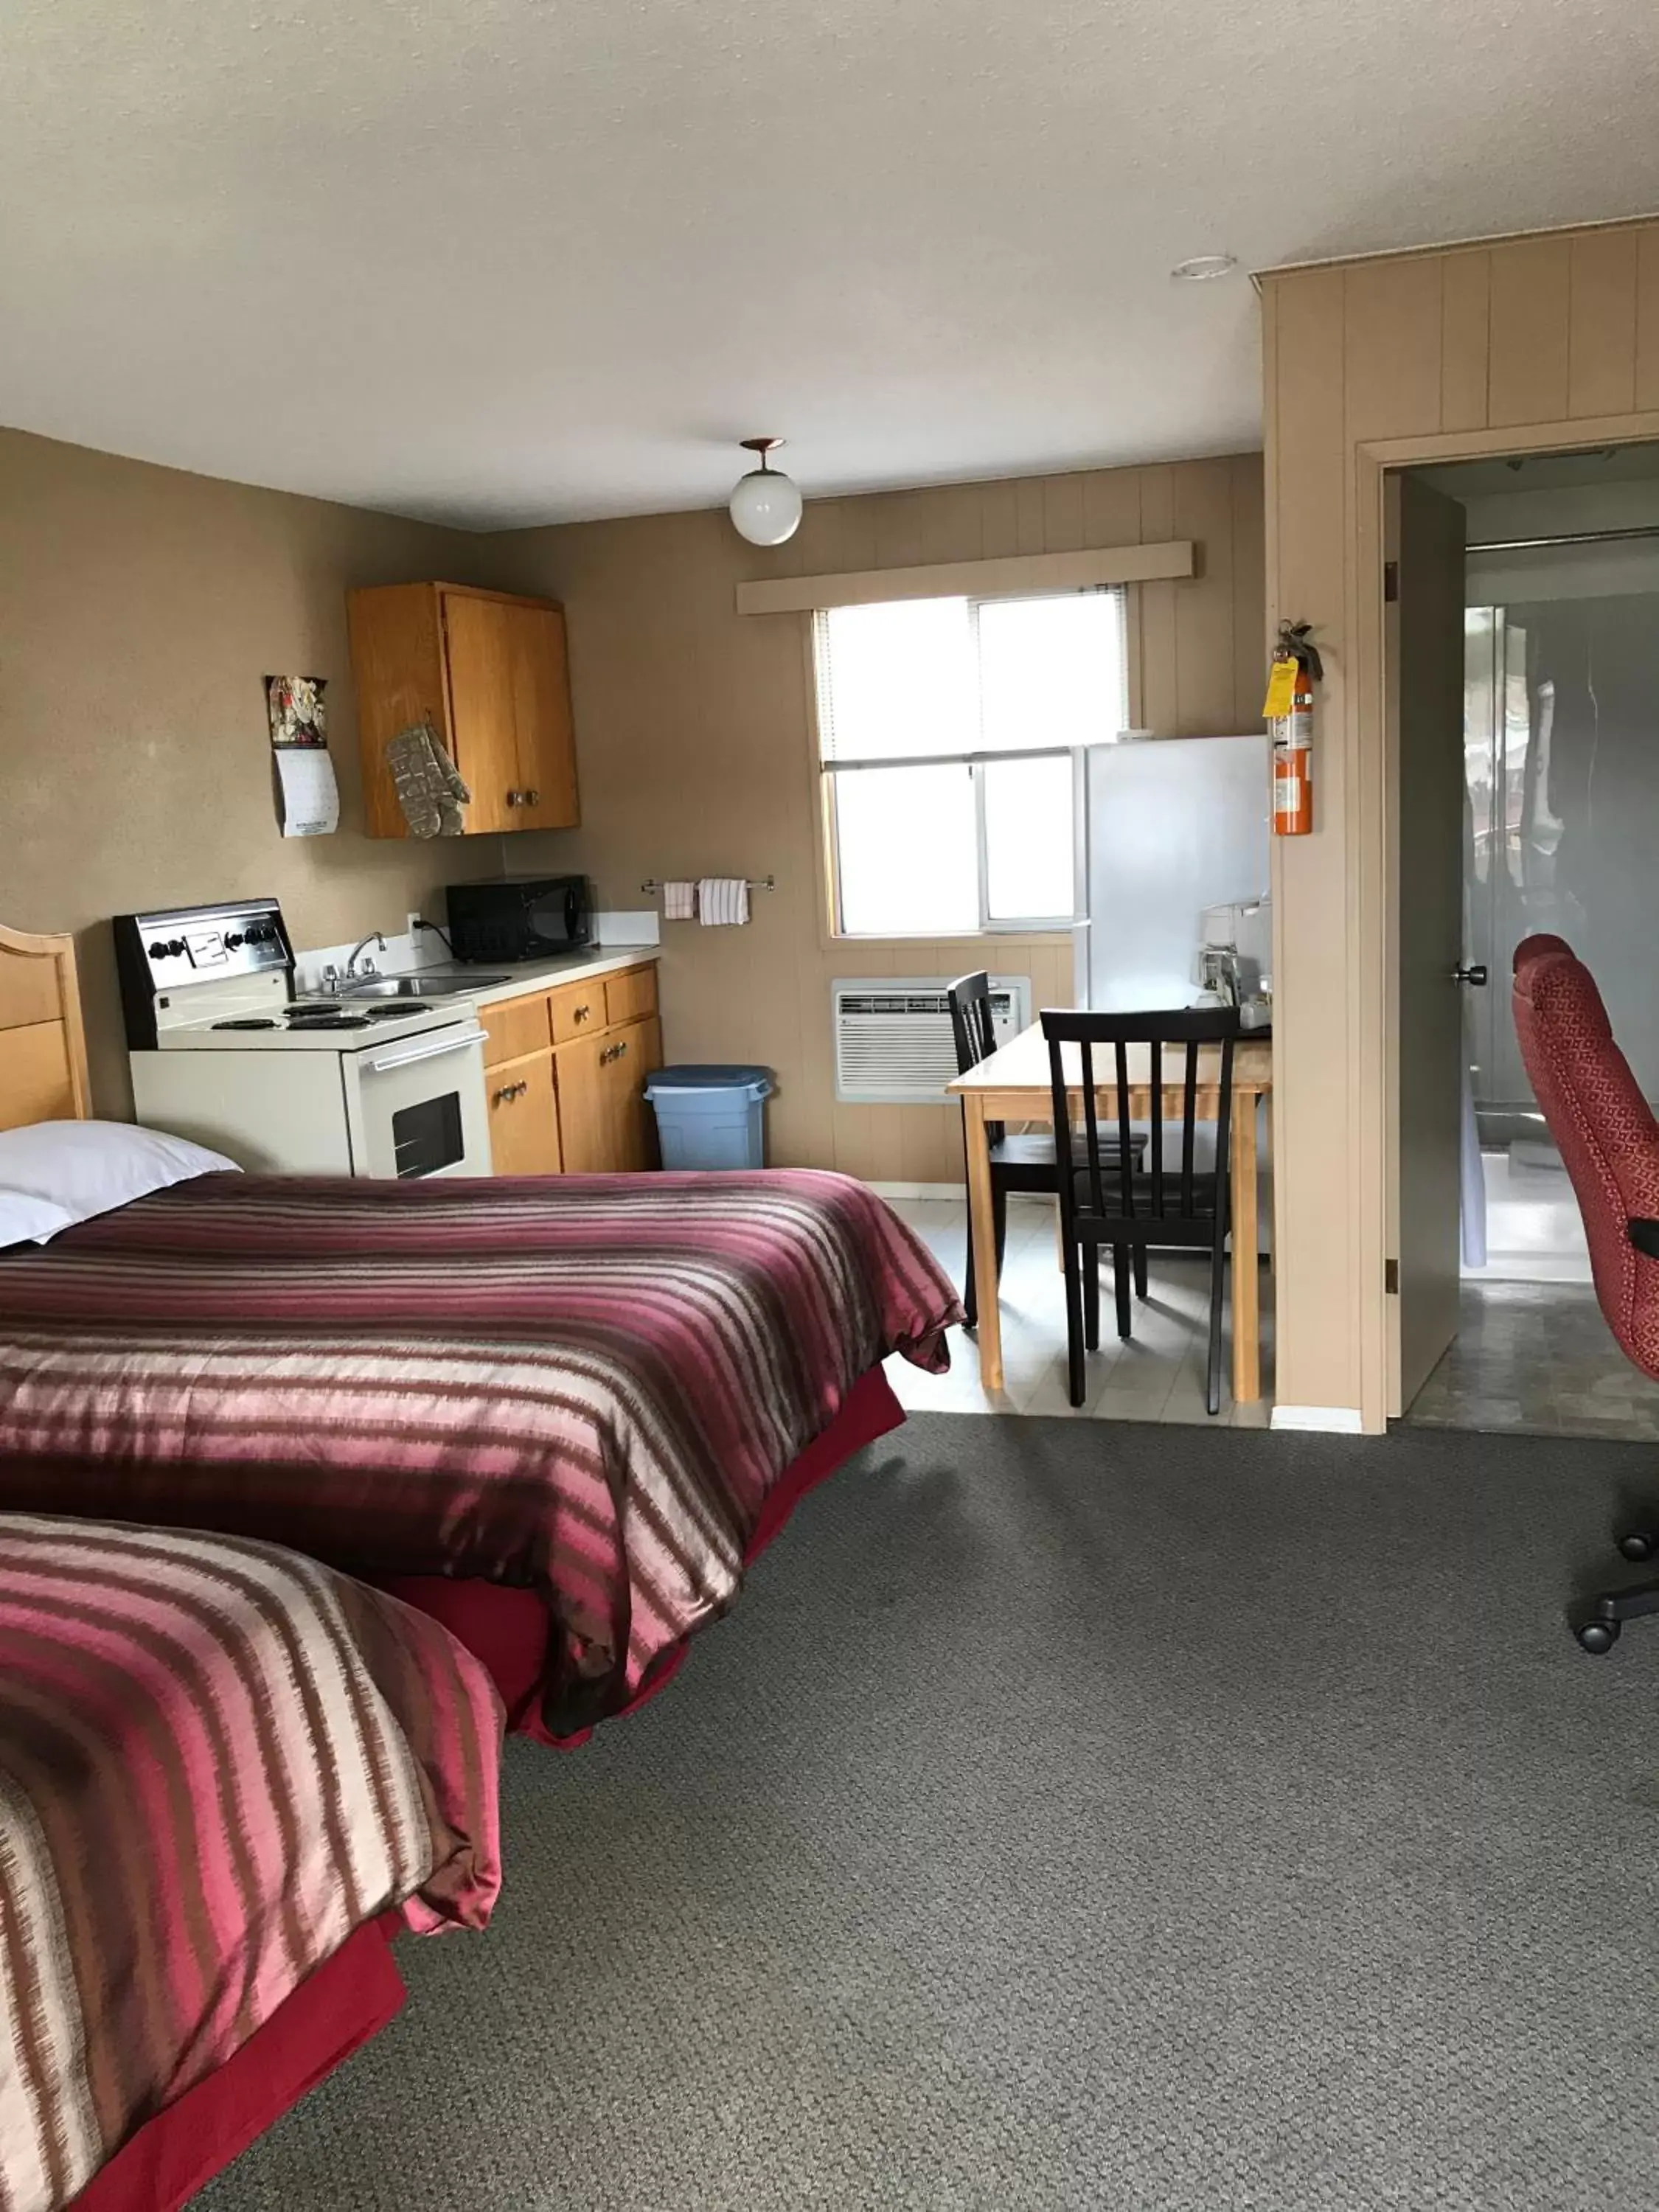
1157, 1818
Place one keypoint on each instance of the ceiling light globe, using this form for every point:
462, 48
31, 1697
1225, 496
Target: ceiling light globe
766, 507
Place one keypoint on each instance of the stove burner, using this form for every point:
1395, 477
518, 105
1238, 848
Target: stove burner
247, 1022
313, 1015
328, 1021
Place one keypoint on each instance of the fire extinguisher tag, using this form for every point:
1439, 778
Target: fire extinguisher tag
1281, 690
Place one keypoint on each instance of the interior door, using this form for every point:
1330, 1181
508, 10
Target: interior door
479, 644
1425, 674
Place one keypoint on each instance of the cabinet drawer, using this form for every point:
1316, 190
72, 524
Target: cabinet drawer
630, 996
578, 1011
523, 1120
514, 1027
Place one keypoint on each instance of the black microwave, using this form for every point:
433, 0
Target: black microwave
520, 917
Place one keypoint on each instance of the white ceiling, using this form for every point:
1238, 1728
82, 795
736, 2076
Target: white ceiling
501, 261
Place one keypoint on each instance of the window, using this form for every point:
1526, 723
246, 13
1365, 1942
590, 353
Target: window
949, 737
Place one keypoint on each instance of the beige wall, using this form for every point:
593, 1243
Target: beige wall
695, 745
1520, 345
140, 609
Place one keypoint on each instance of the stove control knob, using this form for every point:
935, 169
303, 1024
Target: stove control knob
175, 945
233, 941
158, 951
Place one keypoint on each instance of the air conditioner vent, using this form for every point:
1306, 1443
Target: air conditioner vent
893, 1040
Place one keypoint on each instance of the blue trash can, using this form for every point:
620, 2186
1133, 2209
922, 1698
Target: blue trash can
711, 1116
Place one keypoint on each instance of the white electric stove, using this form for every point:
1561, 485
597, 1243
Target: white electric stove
222, 1052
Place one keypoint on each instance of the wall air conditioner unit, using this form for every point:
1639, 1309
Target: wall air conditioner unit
893, 1042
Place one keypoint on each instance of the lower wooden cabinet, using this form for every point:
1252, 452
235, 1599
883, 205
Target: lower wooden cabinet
579, 1081
626, 1056
579, 1108
606, 1125
524, 1117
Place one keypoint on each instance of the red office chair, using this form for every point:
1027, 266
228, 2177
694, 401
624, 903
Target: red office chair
1609, 1141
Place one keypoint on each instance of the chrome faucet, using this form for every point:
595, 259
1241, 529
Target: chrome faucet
351, 975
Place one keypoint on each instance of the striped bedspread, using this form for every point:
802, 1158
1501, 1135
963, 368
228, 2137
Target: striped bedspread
217, 1760
585, 1385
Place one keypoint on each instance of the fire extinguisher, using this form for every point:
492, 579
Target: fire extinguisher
1290, 716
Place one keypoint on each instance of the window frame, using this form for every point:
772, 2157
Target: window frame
975, 761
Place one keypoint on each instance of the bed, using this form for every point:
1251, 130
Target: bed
563, 1414
226, 1773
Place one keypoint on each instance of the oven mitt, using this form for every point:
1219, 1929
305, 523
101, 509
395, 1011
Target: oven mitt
427, 783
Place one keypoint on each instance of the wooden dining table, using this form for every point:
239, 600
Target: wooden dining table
1013, 1084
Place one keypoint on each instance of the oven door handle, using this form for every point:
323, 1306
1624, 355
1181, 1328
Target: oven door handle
436, 1049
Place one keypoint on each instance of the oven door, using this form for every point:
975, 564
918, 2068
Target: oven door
417, 1108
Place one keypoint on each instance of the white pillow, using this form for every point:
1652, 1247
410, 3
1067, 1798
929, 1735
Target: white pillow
53, 1173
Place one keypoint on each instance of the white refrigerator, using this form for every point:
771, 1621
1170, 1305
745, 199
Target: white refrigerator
1174, 826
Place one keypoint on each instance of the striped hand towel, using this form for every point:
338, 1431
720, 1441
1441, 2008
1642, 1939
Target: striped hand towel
722, 899
679, 901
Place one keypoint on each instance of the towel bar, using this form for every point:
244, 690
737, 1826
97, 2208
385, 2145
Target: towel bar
755, 883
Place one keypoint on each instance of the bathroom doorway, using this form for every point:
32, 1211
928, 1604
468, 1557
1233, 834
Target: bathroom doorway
1560, 798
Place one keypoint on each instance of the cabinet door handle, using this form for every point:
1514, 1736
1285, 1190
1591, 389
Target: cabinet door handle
580, 1013
515, 799
621, 1048
533, 797
509, 1091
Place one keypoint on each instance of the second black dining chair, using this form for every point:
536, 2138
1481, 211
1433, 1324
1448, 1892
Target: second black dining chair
1017, 1163
1107, 1202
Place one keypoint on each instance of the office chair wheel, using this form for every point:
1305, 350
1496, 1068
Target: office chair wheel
1597, 1636
1638, 1544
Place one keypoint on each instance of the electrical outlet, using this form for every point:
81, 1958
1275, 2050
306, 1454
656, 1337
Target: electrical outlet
414, 925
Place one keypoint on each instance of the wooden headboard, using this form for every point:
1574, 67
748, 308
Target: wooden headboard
43, 1047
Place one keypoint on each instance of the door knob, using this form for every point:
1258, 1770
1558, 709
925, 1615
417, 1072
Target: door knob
1475, 975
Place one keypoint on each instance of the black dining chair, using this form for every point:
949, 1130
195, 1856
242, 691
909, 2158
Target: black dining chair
1017, 1163
1109, 1200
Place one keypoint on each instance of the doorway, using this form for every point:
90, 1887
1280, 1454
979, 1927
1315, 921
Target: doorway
1558, 793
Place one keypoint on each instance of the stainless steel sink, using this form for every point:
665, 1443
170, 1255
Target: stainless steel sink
383, 987
423, 986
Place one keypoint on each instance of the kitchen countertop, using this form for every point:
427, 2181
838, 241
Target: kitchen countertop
543, 974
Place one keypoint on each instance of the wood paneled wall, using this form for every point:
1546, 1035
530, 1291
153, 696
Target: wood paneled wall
1520, 345
695, 745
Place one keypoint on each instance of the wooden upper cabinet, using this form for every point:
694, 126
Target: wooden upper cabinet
490, 671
